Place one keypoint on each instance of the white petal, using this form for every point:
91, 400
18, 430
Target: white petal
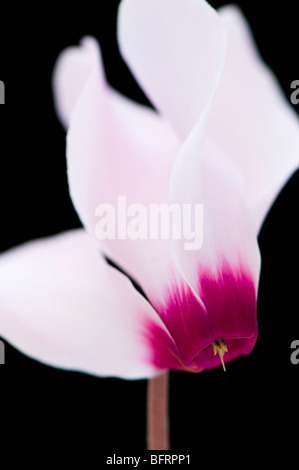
252, 121
118, 148
71, 72
228, 231
62, 304
176, 50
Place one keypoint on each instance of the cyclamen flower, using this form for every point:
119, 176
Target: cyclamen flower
223, 135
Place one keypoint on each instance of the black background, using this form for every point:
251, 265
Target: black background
231, 418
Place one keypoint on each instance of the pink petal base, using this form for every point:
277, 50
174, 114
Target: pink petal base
228, 312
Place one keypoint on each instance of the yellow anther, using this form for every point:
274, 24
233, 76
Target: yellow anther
219, 347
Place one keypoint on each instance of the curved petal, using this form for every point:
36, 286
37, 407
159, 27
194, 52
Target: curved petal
210, 292
62, 304
176, 50
224, 272
117, 149
251, 120
71, 72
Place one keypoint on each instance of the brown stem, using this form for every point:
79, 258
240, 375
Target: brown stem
157, 413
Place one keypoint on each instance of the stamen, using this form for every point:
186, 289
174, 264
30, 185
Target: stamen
219, 346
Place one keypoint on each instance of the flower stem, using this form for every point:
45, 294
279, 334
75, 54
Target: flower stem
157, 413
